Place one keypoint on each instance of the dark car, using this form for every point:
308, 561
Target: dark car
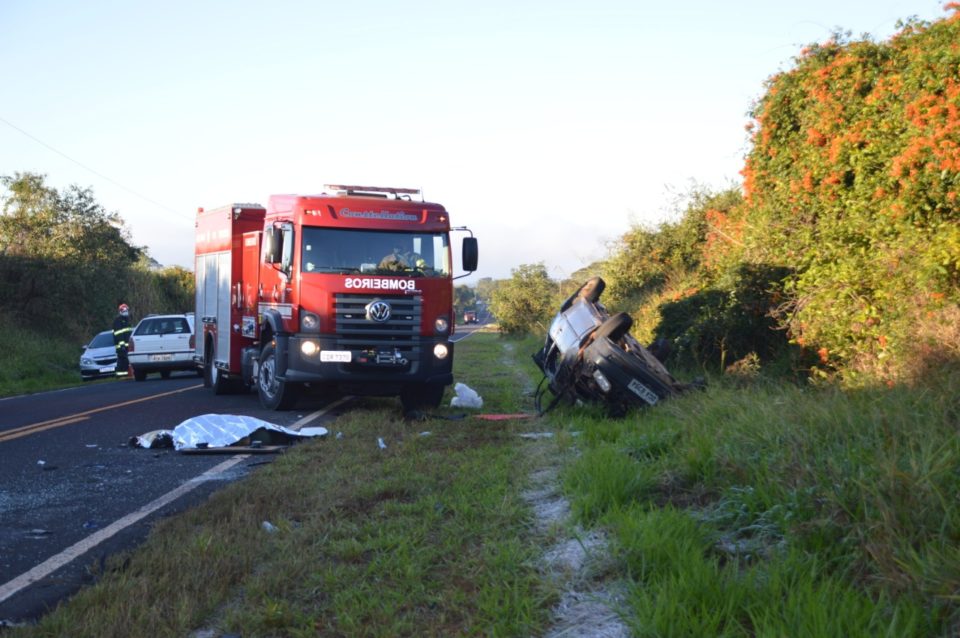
99, 357
589, 355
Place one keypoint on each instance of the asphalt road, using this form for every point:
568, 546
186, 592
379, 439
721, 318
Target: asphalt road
69, 478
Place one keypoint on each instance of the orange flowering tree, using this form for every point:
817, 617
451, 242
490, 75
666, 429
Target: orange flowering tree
852, 182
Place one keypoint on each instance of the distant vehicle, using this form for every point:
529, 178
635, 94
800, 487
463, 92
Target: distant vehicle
162, 343
99, 357
470, 316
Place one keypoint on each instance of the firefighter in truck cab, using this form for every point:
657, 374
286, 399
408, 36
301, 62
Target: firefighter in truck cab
349, 290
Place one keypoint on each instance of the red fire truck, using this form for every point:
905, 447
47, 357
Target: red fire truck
349, 291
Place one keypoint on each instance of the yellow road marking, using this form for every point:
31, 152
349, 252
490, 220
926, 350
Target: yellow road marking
33, 428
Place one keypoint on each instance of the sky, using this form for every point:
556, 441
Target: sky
549, 128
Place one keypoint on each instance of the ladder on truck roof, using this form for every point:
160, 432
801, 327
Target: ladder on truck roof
374, 191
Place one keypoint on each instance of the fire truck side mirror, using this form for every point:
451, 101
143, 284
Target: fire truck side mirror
470, 253
272, 245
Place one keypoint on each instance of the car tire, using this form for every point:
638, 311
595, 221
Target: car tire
615, 327
139, 375
589, 291
165, 374
275, 394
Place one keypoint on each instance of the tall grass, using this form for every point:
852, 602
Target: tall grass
778, 510
35, 359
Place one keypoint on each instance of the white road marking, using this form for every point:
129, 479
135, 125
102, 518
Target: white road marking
463, 335
54, 563
310, 417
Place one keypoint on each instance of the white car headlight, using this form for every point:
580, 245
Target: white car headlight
601, 380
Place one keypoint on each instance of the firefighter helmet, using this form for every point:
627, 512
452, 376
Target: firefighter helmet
124, 308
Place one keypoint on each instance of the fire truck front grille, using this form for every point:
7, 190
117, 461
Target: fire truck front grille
355, 331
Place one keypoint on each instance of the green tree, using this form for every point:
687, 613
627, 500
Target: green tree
63, 255
526, 301
464, 297
485, 288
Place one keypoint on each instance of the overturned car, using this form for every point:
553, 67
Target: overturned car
589, 355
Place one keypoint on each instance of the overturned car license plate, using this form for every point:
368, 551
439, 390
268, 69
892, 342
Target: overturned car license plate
643, 392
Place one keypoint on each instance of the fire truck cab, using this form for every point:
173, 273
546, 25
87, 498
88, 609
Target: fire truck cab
348, 291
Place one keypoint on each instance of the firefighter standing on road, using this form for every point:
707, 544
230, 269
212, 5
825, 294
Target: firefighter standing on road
121, 338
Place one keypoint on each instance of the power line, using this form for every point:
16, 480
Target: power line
97, 173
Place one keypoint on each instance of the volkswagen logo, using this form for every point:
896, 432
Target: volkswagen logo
378, 310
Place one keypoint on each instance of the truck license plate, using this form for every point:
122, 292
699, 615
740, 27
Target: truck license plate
161, 357
643, 392
335, 356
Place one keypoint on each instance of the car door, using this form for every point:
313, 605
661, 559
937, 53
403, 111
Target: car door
177, 338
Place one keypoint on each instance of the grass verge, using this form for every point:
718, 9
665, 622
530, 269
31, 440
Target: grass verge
35, 361
776, 510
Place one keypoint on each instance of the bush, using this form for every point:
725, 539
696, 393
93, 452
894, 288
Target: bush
525, 302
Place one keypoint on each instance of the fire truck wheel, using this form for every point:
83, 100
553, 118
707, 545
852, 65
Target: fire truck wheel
615, 327
213, 377
428, 395
590, 291
275, 394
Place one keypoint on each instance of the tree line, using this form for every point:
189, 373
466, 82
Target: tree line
66, 263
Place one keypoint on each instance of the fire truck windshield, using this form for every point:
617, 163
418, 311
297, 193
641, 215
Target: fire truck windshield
345, 251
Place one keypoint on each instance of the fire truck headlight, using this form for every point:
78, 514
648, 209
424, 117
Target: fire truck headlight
309, 348
309, 322
440, 351
442, 324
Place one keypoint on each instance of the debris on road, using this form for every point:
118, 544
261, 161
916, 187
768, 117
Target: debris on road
38, 533
225, 433
381, 444
153, 440
503, 417
466, 397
